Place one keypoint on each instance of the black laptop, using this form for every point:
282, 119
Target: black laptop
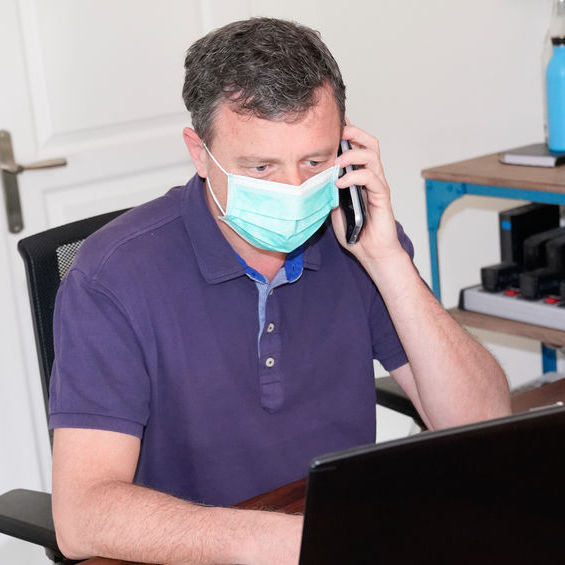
492, 492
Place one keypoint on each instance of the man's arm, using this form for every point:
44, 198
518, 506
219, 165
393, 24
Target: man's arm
98, 511
450, 378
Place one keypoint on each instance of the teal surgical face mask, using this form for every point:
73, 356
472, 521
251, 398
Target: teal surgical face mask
274, 215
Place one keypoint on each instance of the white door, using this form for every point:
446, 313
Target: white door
99, 83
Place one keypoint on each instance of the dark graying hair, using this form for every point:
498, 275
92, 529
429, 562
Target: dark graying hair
267, 67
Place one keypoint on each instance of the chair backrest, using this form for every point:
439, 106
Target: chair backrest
47, 257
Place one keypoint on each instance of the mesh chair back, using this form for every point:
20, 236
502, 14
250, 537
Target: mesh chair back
47, 257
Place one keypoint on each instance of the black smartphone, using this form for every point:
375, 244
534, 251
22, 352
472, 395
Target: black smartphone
351, 202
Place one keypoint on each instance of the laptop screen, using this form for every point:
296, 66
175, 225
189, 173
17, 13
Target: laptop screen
492, 492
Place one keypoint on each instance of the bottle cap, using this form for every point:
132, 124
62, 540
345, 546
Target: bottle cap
558, 40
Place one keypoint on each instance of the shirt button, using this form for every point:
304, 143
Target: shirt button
270, 328
270, 362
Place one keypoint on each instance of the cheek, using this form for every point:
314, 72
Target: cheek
219, 183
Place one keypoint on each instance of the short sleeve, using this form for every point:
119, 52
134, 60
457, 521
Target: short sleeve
99, 378
387, 348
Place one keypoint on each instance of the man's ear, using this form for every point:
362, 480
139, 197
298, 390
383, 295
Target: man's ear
197, 152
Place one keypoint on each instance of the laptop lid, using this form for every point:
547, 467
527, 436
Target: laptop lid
492, 492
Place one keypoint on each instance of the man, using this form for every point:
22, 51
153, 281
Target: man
211, 342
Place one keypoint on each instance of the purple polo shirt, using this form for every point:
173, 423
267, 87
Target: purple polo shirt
156, 335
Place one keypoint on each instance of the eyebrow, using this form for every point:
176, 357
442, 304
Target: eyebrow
254, 159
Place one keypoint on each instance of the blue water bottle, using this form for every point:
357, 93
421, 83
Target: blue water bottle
555, 78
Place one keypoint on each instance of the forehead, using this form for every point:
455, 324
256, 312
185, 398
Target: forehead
241, 131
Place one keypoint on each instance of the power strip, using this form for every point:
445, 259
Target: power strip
548, 311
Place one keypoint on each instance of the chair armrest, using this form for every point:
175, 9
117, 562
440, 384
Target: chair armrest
390, 395
26, 514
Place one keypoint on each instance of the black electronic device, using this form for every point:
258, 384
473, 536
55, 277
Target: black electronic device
519, 223
351, 202
489, 492
498, 277
555, 251
539, 282
535, 255
516, 225
546, 280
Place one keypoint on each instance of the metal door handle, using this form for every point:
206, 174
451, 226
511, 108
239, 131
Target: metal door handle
10, 169
15, 168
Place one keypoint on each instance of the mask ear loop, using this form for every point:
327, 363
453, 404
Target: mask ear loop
208, 180
214, 196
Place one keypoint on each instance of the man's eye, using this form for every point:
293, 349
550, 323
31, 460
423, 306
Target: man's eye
260, 168
314, 163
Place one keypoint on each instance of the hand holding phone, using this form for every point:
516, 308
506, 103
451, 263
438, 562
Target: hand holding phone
351, 201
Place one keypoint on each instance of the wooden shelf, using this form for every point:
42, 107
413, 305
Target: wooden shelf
487, 170
503, 325
486, 176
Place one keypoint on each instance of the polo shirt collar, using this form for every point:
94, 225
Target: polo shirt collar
291, 270
216, 258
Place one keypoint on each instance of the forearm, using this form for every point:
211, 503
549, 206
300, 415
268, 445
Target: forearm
457, 380
125, 521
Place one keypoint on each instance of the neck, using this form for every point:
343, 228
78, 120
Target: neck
266, 262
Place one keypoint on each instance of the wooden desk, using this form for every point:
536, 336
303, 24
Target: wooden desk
538, 397
288, 498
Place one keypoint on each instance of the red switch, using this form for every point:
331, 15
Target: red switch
552, 300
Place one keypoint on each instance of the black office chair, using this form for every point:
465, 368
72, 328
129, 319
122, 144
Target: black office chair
26, 514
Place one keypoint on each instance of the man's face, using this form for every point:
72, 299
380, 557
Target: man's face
276, 151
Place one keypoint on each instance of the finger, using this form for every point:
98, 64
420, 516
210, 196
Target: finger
359, 157
361, 138
363, 177
362, 158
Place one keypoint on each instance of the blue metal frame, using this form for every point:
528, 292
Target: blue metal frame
440, 194
548, 359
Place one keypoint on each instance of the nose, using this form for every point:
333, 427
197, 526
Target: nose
293, 175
